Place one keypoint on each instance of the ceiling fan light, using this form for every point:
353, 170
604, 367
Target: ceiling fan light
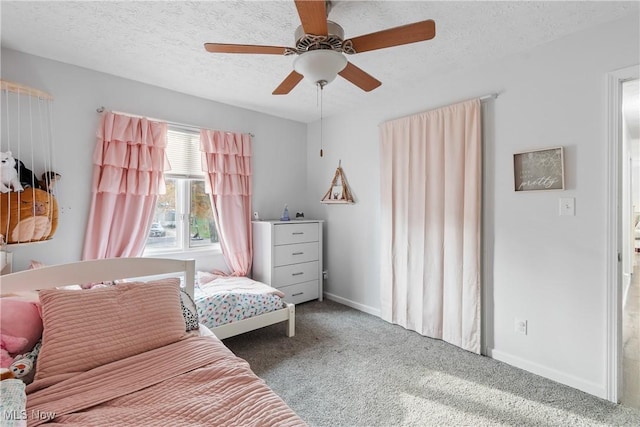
322, 65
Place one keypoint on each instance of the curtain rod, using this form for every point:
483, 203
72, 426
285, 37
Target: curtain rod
490, 96
101, 109
493, 95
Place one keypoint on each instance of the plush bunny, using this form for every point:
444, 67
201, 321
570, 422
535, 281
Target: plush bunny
9, 173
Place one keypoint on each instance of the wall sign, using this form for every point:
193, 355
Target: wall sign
539, 169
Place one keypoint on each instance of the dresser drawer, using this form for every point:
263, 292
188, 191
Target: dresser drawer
295, 273
294, 254
286, 234
301, 292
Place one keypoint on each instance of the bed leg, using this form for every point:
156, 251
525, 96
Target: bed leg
291, 323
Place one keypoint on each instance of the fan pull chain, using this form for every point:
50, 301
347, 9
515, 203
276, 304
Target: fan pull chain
320, 88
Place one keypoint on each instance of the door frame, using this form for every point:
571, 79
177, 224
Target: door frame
613, 237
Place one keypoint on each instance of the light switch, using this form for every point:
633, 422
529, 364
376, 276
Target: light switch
568, 206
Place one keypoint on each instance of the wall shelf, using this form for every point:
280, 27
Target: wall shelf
339, 192
337, 202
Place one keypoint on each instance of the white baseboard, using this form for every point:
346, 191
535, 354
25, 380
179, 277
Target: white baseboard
595, 389
353, 304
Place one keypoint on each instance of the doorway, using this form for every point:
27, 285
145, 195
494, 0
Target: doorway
630, 221
620, 236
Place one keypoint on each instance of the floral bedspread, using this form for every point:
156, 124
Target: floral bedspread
230, 299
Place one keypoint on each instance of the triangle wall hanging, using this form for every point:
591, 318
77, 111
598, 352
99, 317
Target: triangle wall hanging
339, 192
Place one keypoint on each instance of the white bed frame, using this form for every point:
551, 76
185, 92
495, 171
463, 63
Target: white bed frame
134, 268
287, 313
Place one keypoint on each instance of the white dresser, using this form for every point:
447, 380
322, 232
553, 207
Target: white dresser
288, 255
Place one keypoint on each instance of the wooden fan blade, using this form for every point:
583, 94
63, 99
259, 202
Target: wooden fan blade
313, 16
411, 33
359, 78
244, 48
288, 83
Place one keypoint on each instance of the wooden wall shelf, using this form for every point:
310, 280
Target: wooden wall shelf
338, 183
337, 202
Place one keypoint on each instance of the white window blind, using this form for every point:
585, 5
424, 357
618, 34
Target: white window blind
183, 152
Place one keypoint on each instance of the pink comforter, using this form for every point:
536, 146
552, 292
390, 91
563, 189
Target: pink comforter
196, 381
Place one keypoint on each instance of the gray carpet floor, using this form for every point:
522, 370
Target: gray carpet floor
348, 368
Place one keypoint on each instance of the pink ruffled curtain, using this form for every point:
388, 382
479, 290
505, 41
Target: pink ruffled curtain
128, 174
226, 158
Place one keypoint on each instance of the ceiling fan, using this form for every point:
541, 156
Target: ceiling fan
320, 46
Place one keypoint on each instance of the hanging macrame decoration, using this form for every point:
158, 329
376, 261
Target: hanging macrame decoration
28, 207
339, 191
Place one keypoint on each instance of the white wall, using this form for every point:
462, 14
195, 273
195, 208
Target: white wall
279, 148
544, 268
547, 269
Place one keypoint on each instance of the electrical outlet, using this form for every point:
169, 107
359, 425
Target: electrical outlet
521, 326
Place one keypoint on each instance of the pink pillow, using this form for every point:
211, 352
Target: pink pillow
83, 330
20, 318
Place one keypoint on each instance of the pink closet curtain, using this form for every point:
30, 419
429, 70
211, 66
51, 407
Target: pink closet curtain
227, 161
431, 201
128, 174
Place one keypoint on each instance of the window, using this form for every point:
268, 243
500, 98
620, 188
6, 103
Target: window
183, 218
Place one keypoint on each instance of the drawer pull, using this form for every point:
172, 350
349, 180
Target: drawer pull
296, 233
298, 253
299, 293
297, 274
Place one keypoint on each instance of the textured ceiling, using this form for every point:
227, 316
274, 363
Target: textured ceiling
161, 43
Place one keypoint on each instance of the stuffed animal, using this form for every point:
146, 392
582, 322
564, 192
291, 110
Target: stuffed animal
6, 374
8, 345
20, 328
29, 216
22, 366
26, 176
9, 173
19, 178
49, 180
